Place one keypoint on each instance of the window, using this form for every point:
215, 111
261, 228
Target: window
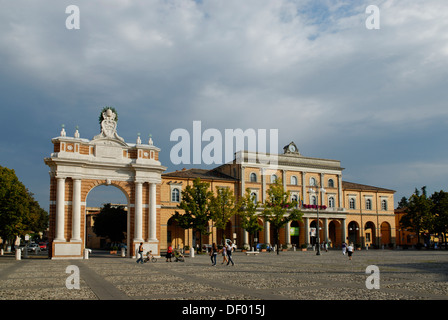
331, 202
313, 200
294, 198
368, 204
253, 177
273, 178
312, 182
352, 203
330, 183
384, 205
294, 180
255, 197
175, 195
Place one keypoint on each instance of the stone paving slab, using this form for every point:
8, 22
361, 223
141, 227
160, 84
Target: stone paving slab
404, 275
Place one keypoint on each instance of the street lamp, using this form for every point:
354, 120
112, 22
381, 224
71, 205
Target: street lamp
322, 190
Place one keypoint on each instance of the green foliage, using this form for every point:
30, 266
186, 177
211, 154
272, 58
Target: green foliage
279, 210
248, 214
19, 212
111, 223
100, 119
223, 206
195, 203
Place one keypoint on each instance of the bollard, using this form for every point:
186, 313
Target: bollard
86, 253
18, 254
192, 253
123, 252
1, 252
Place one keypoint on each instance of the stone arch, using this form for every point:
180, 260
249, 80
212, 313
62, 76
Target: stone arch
78, 165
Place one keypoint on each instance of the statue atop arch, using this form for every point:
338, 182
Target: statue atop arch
108, 121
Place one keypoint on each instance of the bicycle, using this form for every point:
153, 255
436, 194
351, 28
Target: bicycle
149, 257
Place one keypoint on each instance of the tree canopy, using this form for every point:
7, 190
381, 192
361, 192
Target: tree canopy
279, 209
20, 213
111, 223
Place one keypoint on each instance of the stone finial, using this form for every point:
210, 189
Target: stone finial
139, 141
150, 142
77, 132
63, 133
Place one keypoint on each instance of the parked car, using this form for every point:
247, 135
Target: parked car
263, 246
43, 245
33, 247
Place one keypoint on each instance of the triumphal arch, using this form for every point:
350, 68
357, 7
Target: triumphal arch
78, 165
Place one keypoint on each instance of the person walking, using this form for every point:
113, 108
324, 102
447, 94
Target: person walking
140, 252
344, 248
213, 254
229, 253
224, 254
350, 251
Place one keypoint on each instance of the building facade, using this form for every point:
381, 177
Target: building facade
348, 212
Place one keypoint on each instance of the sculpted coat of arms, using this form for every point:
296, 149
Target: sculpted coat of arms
108, 126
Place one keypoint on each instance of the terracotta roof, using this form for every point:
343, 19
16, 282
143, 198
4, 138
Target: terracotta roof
362, 187
203, 174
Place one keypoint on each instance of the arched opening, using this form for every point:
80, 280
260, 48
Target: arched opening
353, 232
313, 232
295, 233
370, 234
385, 233
97, 197
334, 233
175, 235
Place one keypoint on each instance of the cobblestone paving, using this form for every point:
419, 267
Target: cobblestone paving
404, 274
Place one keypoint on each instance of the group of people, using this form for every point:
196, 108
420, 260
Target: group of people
226, 252
347, 249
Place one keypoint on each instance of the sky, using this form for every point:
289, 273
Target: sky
375, 99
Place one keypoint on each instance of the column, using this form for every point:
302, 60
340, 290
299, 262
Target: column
304, 187
76, 211
245, 238
288, 233
267, 232
242, 179
138, 212
325, 229
343, 231
340, 192
307, 230
322, 185
263, 185
60, 210
152, 213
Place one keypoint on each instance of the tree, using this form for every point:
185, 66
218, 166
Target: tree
195, 203
403, 203
111, 223
223, 206
20, 214
248, 215
418, 213
279, 210
440, 213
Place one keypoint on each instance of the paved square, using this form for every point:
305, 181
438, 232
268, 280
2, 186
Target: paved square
404, 274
